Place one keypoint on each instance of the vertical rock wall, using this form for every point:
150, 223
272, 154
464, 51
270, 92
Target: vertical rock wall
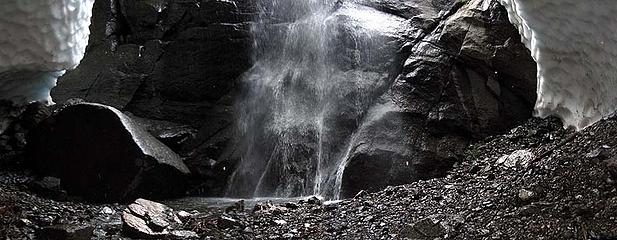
460, 73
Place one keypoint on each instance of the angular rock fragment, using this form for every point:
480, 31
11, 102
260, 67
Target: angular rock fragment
225, 222
148, 219
521, 158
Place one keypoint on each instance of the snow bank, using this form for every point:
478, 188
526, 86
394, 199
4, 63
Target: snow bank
574, 43
39, 36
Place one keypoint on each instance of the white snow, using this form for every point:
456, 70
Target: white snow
40, 36
574, 43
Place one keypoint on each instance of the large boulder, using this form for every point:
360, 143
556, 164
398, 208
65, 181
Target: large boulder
102, 155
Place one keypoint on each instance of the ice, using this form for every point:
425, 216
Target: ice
574, 43
39, 39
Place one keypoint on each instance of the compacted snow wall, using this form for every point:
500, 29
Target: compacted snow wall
574, 43
38, 40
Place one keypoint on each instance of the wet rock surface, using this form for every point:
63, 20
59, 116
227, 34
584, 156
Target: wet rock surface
464, 74
102, 155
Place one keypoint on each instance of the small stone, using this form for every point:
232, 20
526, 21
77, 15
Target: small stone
269, 208
596, 191
369, 218
292, 205
26, 222
360, 194
225, 222
184, 234
183, 215
526, 195
600, 153
313, 200
107, 211
248, 230
259, 207
237, 207
331, 205
280, 222
528, 210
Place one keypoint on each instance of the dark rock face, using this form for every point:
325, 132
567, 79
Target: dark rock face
464, 76
461, 73
103, 155
163, 59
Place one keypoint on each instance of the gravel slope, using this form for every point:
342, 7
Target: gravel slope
562, 190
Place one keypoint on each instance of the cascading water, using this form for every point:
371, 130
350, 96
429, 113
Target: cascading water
310, 87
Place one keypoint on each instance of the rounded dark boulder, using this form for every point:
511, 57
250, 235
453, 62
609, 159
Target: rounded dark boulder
102, 155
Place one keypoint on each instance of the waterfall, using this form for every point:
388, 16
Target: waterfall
317, 66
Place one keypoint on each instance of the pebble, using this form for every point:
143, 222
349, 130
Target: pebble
526, 195
107, 210
280, 222
183, 215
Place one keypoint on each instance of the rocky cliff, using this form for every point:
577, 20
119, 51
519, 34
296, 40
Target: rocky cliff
460, 73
